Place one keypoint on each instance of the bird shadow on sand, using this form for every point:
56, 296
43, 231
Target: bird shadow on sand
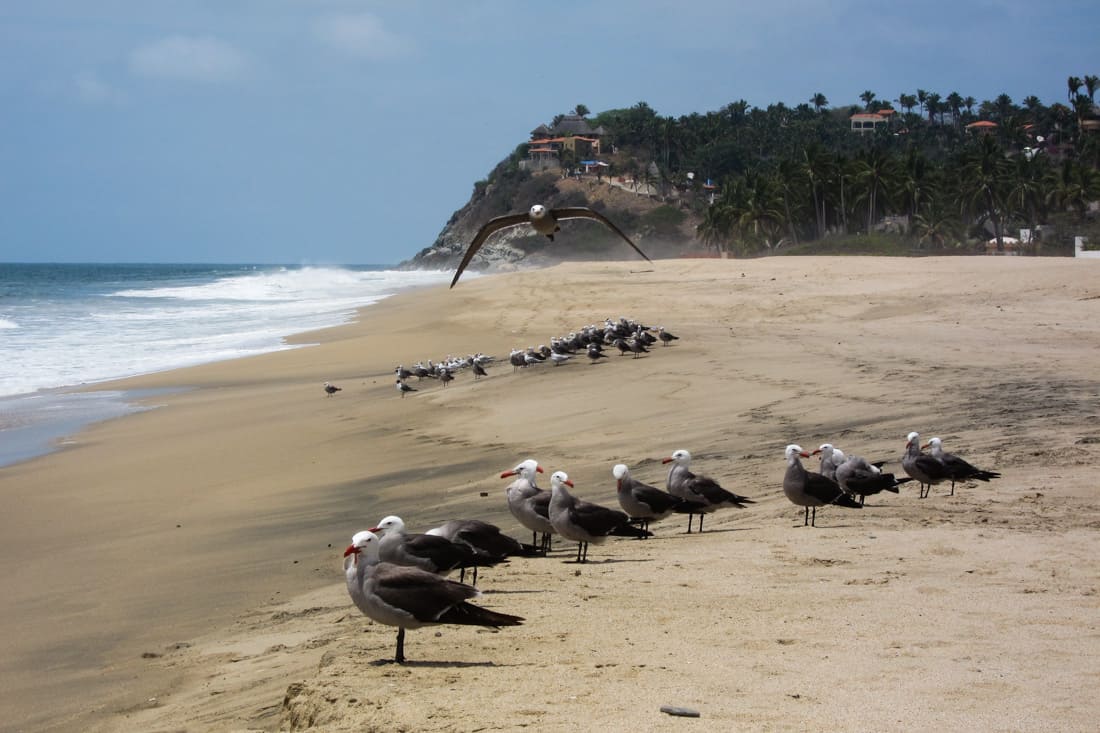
607, 560
497, 592
430, 664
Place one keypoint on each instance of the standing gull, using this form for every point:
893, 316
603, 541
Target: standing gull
403, 388
583, 521
921, 466
410, 598
331, 389
831, 457
645, 503
544, 221
811, 490
859, 477
957, 468
529, 504
430, 553
703, 490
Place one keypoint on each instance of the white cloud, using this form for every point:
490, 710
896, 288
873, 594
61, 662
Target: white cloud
360, 34
90, 88
190, 58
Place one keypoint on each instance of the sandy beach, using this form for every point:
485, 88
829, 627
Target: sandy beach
179, 569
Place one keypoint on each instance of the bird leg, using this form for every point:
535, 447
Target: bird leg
700, 523
691, 518
952, 488
813, 517
806, 519
400, 656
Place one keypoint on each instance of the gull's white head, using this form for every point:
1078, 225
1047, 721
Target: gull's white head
558, 479
935, 444
389, 524
794, 452
538, 211
620, 471
363, 542
680, 458
913, 437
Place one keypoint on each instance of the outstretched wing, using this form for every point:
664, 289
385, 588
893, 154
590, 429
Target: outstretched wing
581, 212
495, 224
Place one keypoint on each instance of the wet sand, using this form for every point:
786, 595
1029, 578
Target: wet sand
179, 569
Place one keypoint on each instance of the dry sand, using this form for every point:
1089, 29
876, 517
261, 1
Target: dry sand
180, 569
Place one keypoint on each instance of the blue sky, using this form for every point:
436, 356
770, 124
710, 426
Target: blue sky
348, 131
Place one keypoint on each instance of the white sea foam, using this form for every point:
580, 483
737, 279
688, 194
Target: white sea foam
140, 330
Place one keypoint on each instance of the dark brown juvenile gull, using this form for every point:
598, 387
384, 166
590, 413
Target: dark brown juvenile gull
409, 598
544, 221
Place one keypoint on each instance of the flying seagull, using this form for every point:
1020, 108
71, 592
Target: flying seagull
544, 221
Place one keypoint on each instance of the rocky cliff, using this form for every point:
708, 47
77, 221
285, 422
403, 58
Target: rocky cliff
660, 226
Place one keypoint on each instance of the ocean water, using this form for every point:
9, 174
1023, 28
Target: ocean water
64, 325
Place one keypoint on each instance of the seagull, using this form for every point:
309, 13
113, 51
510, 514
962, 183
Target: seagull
957, 468
428, 552
645, 503
861, 478
409, 598
831, 457
403, 388
582, 521
811, 490
331, 389
529, 504
446, 377
666, 337
921, 466
544, 221
558, 358
479, 370
595, 353
683, 483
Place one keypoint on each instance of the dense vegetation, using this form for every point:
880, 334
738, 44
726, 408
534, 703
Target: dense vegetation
789, 175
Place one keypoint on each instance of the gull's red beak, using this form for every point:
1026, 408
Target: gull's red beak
352, 550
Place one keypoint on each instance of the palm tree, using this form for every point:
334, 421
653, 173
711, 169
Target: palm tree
983, 183
936, 223
1092, 83
1073, 85
867, 97
819, 101
908, 102
932, 104
817, 169
922, 97
954, 103
873, 170
1003, 107
969, 103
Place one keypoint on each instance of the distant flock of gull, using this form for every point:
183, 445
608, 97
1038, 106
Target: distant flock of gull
624, 335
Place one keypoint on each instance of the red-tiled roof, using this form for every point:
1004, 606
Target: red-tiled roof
982, 123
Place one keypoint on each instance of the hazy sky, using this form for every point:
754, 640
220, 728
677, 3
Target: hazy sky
348, 131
